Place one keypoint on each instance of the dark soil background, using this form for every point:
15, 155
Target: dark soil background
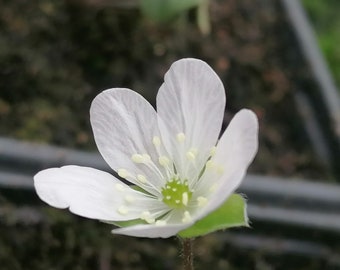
56, 56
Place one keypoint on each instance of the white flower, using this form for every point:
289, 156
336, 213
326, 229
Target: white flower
174, 157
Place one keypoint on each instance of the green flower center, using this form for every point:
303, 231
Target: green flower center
176, 194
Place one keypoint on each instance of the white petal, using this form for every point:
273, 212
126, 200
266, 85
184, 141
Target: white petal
191, 101
239, 143
234, 153
124, 124
87, 192
152, 231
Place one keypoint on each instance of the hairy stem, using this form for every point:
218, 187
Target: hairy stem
187, 254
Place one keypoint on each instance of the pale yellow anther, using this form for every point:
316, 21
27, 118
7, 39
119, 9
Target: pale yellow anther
168, 197
150, 220
212, 150
202, 201
137, 158
146, 158
186, 217
219, 169
156, 141
122, 173
180, 137
190, 155
146, 215
164, 161
129, 199
194, 150
119, 187
213, 188
123, 210
177, 201
210, 164
160, 222
141, 178
185, 198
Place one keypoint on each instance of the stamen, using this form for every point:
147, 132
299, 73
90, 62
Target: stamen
122, 173
146, 158
137, 158
146, 215
194, 150
210, 164
164, 161
212, 150
185, 198
202, 201
152, 166
160, 222
180, 137
216, 168
213, 188
219, 169
129, 199
150, 220
141, 178
120, 187
186, 217
123, 210
156, 141
190, 155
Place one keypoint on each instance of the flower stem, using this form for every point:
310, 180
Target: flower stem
187, 255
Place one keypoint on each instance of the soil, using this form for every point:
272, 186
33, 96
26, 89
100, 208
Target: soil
55, 57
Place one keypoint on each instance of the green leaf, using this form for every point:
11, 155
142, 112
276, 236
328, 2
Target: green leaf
165, 10
231, 214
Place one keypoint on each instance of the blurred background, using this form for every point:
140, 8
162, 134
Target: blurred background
280, 58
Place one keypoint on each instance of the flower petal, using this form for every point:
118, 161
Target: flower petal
234, 153
124, 124
153, 230
190, 101
87, 192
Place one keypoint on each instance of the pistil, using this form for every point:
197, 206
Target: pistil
176, 194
